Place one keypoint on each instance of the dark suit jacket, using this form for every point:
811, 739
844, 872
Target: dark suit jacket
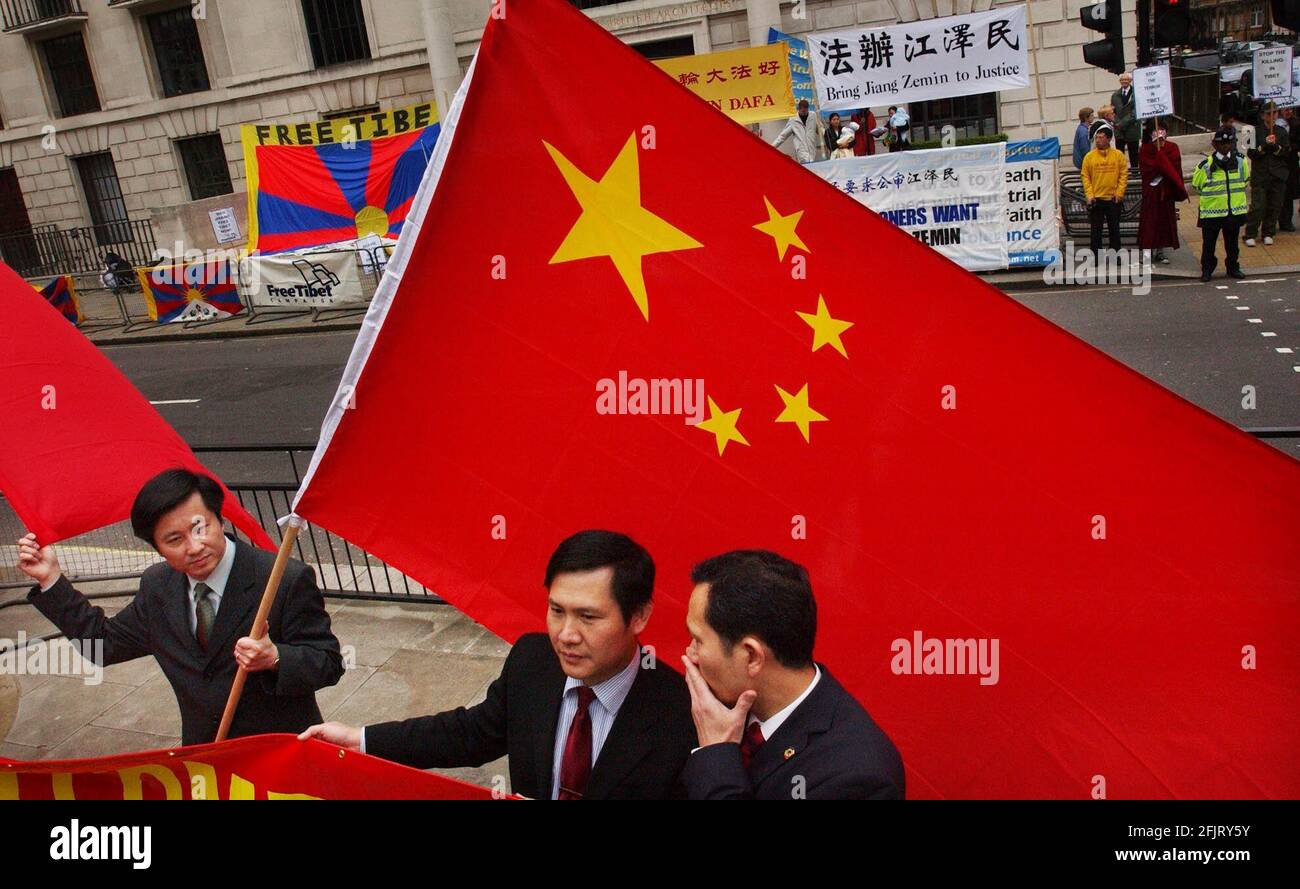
834, 746
157, 622
641, 759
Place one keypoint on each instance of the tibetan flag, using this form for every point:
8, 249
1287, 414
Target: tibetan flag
201, 291
335, 181
1043, 574
261, 767
77, 440
62, 294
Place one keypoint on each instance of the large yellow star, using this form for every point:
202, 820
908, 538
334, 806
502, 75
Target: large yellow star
782, 229
723, 425
826, 330
798, 411
613, 222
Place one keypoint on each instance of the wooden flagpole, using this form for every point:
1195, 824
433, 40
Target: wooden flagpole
259, 622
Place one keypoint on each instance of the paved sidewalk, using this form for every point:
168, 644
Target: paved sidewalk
403, 660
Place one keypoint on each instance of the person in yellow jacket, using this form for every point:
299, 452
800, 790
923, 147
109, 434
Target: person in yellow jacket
1223, 181
1105, 175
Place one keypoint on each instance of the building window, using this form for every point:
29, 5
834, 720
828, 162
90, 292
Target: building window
970, 115
1257, 18
666, 49
103, 192
69, 71
350, 113
336, 30
176, 49
204, 159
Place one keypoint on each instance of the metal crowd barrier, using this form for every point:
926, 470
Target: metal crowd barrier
264, 478
125, 299
1074, 207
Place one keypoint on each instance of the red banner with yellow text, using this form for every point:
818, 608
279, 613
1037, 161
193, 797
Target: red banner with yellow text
261, 767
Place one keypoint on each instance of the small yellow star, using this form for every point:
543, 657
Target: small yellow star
613, 222
782, 229
798, 411
826, 330
723, 425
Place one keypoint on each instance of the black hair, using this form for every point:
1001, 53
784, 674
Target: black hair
168, 490
759, 593
634, 571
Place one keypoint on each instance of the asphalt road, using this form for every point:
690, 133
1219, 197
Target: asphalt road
1203, 341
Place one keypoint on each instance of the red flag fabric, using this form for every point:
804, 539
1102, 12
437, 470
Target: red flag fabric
1042, 573
258, 767
77, 440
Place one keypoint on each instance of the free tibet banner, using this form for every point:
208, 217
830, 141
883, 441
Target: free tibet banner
960, 55
302, 280
952, 199
262, 767
748, 85
334, 181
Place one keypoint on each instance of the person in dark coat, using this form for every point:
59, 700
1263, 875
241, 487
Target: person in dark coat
831, 136
1161, 166
1286, 219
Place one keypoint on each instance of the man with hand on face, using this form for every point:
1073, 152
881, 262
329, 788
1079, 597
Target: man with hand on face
194, 614
772, 723
582, 712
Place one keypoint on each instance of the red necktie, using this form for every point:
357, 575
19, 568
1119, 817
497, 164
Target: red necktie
750, 743
575, 765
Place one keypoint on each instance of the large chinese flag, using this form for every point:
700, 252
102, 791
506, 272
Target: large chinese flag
962, 468
77, 440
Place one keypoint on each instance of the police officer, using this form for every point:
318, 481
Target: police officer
1223, 180
1268, 177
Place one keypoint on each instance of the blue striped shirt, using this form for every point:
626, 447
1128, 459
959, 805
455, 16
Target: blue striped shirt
610, 696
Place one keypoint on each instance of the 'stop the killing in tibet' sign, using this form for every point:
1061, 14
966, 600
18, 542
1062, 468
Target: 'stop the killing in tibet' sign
956, 56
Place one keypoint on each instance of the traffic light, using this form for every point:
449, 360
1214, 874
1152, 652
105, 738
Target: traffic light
1286, 14
1108, 53
1173, 23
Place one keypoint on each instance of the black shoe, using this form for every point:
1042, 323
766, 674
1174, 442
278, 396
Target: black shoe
1288, 228
1205, 276
1236, 273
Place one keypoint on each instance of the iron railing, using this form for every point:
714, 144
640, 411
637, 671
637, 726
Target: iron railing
25, 13
46, 251
1196, 100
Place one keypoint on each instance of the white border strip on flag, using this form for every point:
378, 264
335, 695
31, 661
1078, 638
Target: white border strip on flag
390, 283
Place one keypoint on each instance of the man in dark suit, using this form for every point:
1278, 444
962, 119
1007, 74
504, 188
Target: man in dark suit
582, 711
194, 613
772, 723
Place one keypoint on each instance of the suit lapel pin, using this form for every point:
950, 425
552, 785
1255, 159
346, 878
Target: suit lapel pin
789, 752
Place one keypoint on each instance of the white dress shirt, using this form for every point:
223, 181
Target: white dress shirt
216, 582
604, 708
769, 726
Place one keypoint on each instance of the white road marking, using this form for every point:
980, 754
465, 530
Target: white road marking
1267, 333
1232, 297
1285, 351
178, 401
1242, 308
1255, 320
1262, 280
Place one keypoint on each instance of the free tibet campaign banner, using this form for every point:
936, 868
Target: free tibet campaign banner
748, 85
1033, 236
960, 55
335, 181
260, 767
953, 199
302, 280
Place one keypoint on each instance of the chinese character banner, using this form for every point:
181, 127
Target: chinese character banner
951, 199
960, 55
748, 85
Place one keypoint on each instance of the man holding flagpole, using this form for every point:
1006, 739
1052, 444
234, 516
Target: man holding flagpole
194, 614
